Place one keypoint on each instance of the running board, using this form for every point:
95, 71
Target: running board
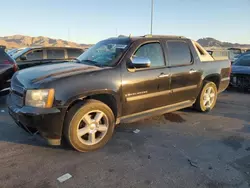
154, 112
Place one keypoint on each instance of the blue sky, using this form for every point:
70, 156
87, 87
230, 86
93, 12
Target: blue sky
89, 21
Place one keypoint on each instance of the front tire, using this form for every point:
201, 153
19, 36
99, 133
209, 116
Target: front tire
207, 97
89, 125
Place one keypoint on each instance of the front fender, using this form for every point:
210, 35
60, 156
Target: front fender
89, 94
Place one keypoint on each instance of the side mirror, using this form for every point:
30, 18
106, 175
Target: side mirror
140, 62
23, 58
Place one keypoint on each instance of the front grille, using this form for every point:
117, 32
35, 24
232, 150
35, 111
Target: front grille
240, 80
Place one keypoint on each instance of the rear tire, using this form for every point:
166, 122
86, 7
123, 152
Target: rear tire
207, 98
89, 125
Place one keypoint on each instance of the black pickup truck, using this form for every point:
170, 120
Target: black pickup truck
117, 80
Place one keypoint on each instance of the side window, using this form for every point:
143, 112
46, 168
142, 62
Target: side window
3, 56
201, 52
35, 55
179, 53
154, 52
55, 54
74, 53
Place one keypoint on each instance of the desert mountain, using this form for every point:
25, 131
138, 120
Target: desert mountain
17, 41
211, 42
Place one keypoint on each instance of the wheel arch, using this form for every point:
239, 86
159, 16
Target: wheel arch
215, 78
108, 97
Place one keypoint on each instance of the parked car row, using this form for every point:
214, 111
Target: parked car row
231, 53
34, 56
240, 76
239, 55
118, 80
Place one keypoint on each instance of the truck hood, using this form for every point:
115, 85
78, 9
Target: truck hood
47, 73
240, 69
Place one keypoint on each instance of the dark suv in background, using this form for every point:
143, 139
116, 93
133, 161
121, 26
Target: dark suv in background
33, 56
30, 57
8, 67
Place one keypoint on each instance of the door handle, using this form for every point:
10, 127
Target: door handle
192, 71
162, 75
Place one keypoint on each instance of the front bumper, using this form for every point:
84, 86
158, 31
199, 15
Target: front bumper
240, 81
48, 122
223, 84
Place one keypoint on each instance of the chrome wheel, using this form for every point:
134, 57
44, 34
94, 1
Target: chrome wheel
92, 127
209, 97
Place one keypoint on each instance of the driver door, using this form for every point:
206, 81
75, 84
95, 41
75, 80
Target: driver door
146, 88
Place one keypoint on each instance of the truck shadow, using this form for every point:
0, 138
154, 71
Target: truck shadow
238, 90
174, 117
11, 133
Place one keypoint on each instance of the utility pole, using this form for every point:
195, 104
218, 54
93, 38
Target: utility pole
68, 34
152, 15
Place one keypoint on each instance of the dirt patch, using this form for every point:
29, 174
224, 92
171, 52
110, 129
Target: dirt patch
235, 142
173, 117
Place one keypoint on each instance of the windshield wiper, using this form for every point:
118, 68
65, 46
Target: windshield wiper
76, 60
91, 62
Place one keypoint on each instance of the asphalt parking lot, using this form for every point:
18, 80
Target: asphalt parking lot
182, 149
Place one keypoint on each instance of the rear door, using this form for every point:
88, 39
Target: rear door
147, 88
34, 57
185, 78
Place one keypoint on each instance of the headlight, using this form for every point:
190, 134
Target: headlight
43, 98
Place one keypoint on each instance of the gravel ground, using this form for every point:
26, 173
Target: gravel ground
181, 149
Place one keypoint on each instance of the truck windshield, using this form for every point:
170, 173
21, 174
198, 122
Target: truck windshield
20, 52
243, 61
105, 53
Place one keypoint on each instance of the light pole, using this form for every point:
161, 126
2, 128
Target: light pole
152, 13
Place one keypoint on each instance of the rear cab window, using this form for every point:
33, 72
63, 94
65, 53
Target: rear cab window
55, 54
179, 53
203, 54
74, 53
